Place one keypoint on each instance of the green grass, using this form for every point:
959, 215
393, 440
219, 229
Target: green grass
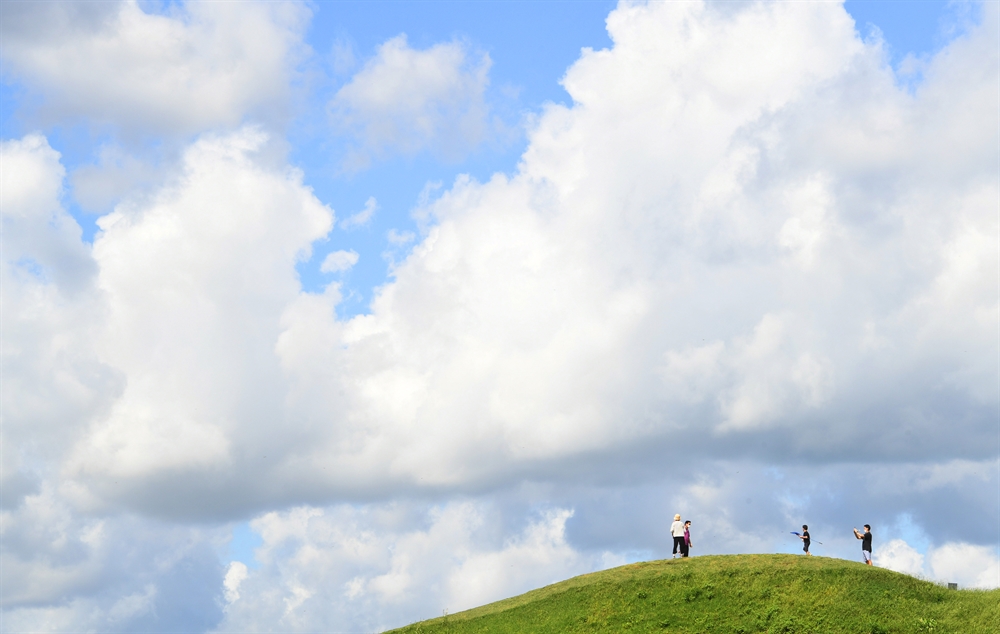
735, 594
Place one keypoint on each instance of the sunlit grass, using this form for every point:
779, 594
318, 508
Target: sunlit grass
735, 594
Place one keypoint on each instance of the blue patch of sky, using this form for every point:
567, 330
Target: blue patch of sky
13, 104
242, 545
530, 44
909, 531
912, 30
77, 145
31, 267
907, 27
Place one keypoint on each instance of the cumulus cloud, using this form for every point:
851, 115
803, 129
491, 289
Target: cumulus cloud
646, 294
114, 175
339, 261
206, 263
65, 380
968, 565
681, 217
407, 100
361, 218
899, 556
235, 575
67, 572
377, 566
54, 383
196, 66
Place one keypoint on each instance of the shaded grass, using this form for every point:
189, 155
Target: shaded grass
734, 594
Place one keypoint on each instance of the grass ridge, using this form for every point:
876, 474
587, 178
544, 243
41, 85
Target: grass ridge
734, 594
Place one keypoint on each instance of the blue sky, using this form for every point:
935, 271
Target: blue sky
329, 316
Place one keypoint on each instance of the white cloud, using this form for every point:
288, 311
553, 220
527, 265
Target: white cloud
400, 238
899, 556
200, 65
362, 217
206, 261
64, 571
339, 261
54, 384
530, 324
968, 565
235, 575
114, 175
777, 374
656, 214
377, 566
528, 327
407, 100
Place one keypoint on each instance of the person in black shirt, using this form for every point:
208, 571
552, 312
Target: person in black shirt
805, 539
866, 543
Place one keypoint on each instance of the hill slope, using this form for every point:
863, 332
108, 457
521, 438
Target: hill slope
735, 594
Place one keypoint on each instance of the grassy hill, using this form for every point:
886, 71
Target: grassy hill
734, 594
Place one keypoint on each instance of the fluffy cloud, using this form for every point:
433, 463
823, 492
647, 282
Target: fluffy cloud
361, 218
384, 564
378, 566
338, 261
687, 255
72, 315
899, 556
197, 66
53, 381
67, 572
407, 100
207, 264
116, 173
705, 300
968, 565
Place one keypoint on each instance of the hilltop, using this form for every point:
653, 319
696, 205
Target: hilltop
739, 594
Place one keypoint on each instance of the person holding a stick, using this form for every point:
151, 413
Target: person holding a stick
805, 539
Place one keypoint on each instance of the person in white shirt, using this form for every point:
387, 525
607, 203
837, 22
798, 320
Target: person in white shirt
677, 531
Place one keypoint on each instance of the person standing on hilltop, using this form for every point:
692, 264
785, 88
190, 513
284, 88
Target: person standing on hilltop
677, 532
805, 539
866, 543
687, 539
